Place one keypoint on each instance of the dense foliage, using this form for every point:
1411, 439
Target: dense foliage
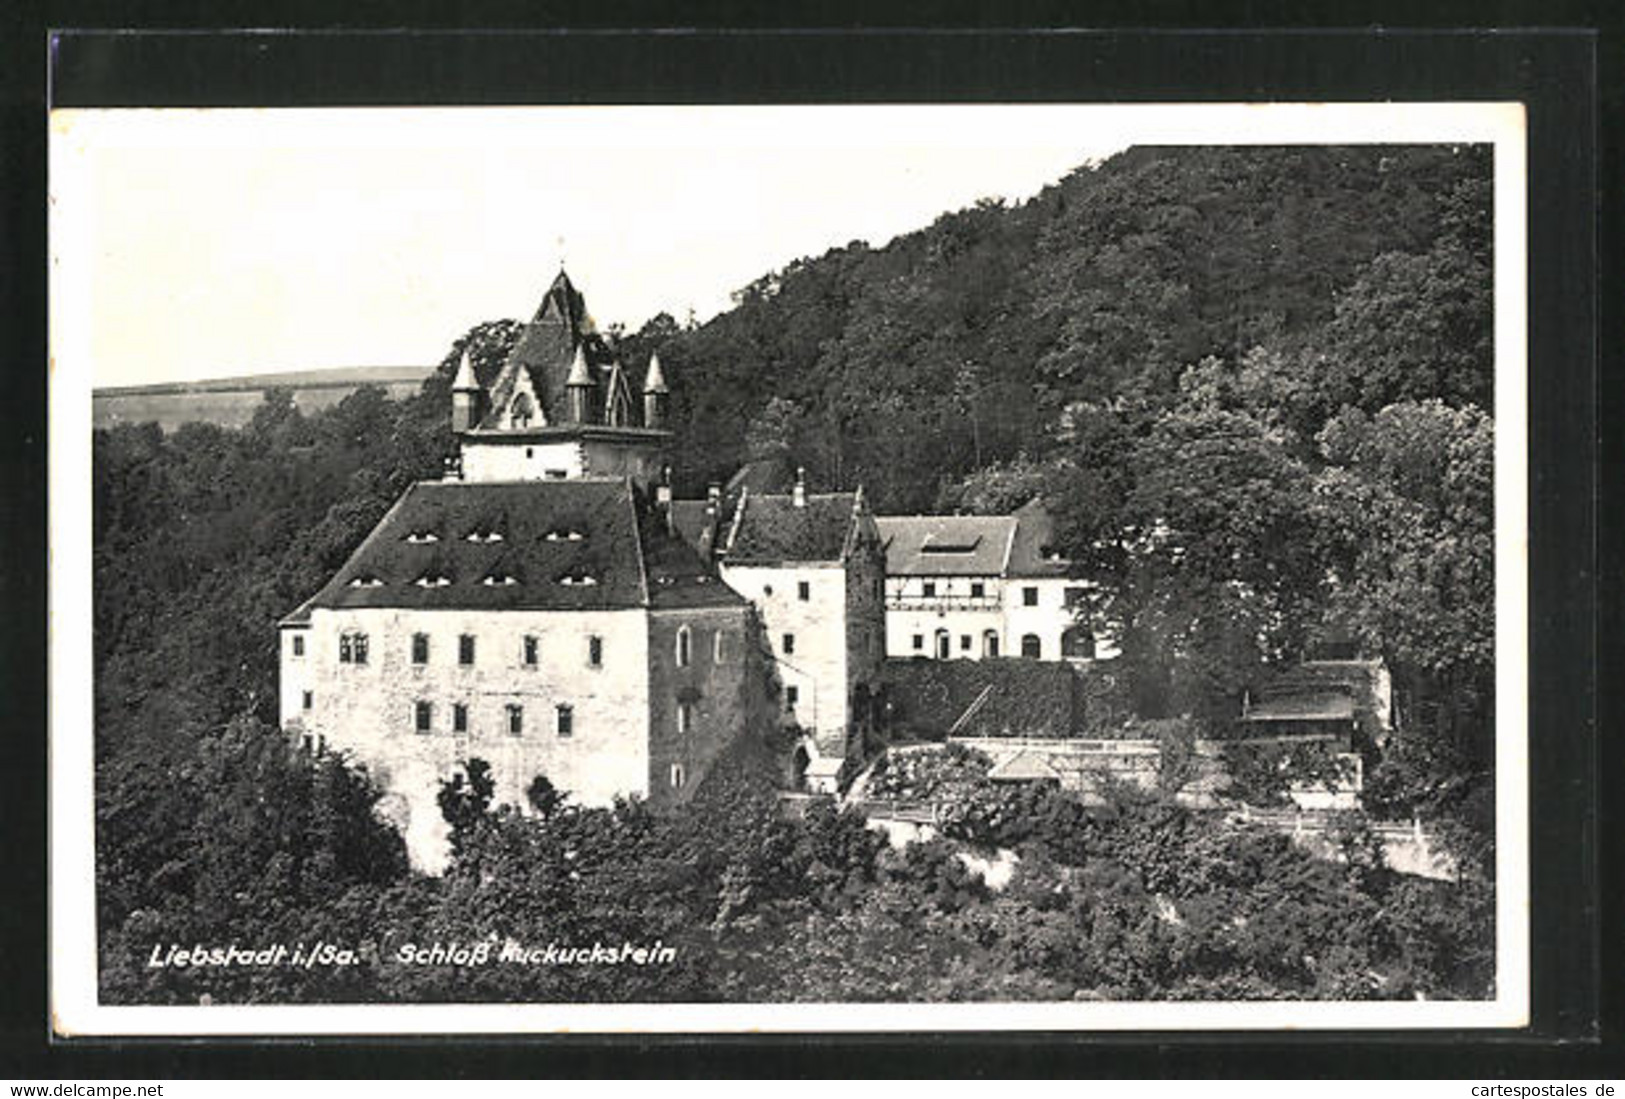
1255, 388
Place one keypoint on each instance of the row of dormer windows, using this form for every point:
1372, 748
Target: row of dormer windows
440, 578
490, 535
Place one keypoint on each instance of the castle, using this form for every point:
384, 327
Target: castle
550, 609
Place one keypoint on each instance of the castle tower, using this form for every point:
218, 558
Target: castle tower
656, 397
467, 397
578, 388
561, 407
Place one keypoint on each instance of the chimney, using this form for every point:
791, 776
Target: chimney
663, 500
799, 495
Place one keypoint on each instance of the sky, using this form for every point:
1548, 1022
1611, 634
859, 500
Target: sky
222, 242
195, 244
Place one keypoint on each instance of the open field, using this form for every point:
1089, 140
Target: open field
230, 402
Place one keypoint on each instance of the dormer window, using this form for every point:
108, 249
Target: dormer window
366, 580
483, 536
578, 580
422, 537
564, 534
499, 580
433, 580
519, 412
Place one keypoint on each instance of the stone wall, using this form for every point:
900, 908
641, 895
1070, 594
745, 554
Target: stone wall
368, 710
716, 684
817, 668
865, 644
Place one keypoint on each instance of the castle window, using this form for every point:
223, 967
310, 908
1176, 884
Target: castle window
530, 452
420, 648
298, 645
792, 695
683, 646
719, 652
533, 649
990, 643
964, 642
565, 716
685, 717
423, 714
942, 644
360, 643
308, 700
346, 649
1031, 647
928, 589
459, 717
977, 589
767, 589
595, 651
803, 590
516, 719
465, 649
789, 643
919, 642
677, 776
1029, 597
556, 474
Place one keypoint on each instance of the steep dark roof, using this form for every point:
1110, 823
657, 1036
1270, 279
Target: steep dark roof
946, 545
773, 528
697, 524
1031, 552
680, 577
546, 348
543, 545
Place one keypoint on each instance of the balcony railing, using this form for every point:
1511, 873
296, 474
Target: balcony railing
942, 602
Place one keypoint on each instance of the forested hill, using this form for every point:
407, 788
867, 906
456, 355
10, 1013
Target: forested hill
1360, 272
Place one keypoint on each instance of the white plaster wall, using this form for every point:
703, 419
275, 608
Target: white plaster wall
818, 667
368, 710
517, 460
522, 461
1049, 619
295, 677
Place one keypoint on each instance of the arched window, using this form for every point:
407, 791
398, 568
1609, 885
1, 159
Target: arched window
684, 646
520, 411
1030, 646
1078, 642
942, 645
990, 643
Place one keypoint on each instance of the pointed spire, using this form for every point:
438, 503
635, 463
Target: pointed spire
655, 380
465, 380
579, 374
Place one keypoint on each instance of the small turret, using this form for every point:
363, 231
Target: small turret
579, 386
656, 397
467, 397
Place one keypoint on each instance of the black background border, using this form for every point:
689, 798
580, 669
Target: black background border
1576, 1016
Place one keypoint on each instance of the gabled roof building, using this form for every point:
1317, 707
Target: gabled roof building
980, 586
536, 609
